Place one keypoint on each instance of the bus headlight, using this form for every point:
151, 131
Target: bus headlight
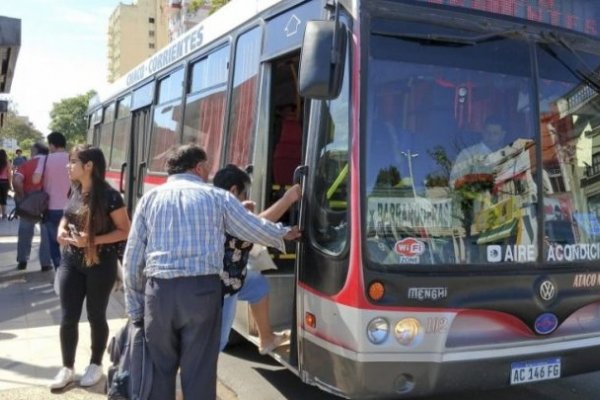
408, 331
378, 330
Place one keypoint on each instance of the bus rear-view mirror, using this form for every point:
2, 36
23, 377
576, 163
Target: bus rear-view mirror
322, 60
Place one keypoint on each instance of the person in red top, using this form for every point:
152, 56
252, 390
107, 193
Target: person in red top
5, 181
23, 184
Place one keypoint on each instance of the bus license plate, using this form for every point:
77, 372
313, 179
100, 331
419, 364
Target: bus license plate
533, 371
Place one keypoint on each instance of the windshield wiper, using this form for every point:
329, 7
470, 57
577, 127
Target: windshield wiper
433, 39
587, 75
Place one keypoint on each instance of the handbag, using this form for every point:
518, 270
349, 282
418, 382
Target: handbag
34, 205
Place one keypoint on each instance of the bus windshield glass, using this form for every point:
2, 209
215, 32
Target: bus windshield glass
570, 130
452, 138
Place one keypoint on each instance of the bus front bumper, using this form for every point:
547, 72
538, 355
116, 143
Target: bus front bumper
382, 380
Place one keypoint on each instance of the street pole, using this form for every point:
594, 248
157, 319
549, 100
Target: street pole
409, 156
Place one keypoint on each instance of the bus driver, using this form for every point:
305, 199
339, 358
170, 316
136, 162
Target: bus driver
474, 160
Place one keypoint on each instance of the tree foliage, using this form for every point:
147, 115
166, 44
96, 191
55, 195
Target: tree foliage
68, 116
20, 129
216, 4
388, 177
439, 155
194, 5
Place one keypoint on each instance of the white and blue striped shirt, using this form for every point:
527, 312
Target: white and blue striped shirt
178, 230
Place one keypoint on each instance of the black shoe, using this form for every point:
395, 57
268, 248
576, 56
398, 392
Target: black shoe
46, 268
22, 265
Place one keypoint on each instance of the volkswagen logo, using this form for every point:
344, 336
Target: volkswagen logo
547, 290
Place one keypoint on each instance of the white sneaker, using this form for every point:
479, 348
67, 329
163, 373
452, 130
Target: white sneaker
63, 378
91, 375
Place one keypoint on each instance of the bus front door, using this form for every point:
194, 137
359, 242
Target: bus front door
136, 169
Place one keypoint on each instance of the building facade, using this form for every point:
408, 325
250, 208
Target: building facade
184, 14
135, 32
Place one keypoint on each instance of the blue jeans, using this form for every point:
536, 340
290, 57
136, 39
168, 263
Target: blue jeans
26, 228
255, 288
52, 221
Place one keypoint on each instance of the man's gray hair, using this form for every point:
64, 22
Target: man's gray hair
184, 158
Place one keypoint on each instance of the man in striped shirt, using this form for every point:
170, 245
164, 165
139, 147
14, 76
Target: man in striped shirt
172, 266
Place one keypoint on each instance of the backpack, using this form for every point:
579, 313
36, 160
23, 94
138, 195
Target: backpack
130, 375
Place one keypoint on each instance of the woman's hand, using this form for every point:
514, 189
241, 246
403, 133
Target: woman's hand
80, 240
62, 236
293, 194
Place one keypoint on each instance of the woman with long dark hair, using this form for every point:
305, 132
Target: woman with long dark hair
95, 222
5, 181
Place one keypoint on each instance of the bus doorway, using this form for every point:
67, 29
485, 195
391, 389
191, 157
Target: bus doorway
276, 156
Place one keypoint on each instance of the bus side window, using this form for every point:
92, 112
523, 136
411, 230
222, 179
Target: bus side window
120, 145
242, 118
205, 105
166, 121
106, 131
330, 218
331, 191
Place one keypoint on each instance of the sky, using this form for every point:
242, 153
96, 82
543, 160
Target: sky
63, 52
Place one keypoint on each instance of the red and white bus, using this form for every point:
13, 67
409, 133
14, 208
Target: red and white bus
450, 160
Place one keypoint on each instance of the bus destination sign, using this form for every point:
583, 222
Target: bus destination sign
576, 15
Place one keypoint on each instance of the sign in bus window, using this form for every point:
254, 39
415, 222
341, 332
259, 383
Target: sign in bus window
576, 15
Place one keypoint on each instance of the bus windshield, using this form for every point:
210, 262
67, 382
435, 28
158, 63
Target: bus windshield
453, 132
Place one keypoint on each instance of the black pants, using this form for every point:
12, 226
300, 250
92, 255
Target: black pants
94, 284
4, 186
182, 318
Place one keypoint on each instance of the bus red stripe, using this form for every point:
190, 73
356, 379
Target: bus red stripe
150, 179
352, 294
155, 179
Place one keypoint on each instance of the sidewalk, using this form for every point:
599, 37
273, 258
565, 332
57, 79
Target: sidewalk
29, 328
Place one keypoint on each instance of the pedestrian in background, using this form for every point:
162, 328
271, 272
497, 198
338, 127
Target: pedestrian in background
23, 185
19, 158
95, 222
172, 266
5, 181
56, 184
